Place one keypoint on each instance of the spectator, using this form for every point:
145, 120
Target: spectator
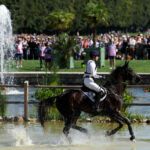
25, 48
112, 54
42, 55
19, 54
48, 56
132, 43
32, 47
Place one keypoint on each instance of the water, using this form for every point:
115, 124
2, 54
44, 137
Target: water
33, 137
140, 97
18, 95
14, 94
6, 45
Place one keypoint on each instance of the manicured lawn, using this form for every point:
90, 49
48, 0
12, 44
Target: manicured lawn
140, 66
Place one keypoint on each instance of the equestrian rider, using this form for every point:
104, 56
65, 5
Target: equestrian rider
90, 74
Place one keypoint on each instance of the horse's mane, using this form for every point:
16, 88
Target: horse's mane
115, 72
113, 77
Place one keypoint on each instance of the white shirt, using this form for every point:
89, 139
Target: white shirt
91, 70
132, 41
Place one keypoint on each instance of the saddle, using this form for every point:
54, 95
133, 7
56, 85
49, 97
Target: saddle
91, 93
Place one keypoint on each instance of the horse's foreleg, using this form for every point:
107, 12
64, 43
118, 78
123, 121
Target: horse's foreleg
74, 126
108, 133
67, 128
125, 120
81, 129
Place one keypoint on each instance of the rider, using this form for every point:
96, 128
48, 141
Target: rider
89, 75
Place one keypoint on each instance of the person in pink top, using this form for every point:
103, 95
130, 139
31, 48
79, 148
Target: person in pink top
42, 54
19, 54
112, 54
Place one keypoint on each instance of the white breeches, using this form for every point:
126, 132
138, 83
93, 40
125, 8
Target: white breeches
89, 82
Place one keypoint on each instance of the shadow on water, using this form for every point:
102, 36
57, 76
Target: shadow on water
32, 137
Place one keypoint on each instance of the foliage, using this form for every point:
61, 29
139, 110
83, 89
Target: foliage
2, 106
63, 49
29, 16
126, 99
60, 20
136, 116
46, 93
95, 14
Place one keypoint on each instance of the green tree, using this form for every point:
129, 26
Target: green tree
95, 14
29, 16
63, 48
141, 13
60, 21
123, 13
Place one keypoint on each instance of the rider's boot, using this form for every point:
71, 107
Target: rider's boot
98, 96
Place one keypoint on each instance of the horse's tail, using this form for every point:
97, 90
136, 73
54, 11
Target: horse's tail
43, 108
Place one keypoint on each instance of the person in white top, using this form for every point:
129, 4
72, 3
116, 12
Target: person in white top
132, 43
90, 74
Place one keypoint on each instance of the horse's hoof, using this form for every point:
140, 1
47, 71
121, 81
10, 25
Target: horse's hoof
134, 140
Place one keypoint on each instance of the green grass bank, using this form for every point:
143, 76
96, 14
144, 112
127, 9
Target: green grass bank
139, 66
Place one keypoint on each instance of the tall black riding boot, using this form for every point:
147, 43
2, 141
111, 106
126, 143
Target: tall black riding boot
97, 101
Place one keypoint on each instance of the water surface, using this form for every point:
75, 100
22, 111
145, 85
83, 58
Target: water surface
33, 137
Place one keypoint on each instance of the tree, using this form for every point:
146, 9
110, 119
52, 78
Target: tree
63, 48
95, 14
141, 13
60, 21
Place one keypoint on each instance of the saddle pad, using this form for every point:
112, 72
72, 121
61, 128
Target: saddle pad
91, 96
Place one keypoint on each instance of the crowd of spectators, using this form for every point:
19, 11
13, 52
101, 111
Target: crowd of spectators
34, 47
127, 47
41, 46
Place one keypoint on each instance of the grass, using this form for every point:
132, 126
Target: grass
139, 66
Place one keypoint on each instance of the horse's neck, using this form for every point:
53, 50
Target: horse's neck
120, 85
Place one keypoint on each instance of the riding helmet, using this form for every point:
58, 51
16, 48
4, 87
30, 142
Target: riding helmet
94, 53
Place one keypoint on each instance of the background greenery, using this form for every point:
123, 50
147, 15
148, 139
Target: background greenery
139, 66
34, 16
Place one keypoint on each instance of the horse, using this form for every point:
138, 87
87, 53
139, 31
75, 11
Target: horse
72, 102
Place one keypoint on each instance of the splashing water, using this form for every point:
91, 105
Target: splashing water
6, 45
21, 137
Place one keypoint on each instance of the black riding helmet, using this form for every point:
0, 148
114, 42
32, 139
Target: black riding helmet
94, 53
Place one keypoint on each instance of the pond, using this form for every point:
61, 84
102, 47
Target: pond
140, 97
18, 95
32, 136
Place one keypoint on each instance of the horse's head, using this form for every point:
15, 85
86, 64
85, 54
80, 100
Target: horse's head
129, 74
125, 73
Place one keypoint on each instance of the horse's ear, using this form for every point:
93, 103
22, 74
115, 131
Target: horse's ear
126, 64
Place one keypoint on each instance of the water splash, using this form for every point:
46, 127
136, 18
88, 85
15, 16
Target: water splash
21, 137
6, 45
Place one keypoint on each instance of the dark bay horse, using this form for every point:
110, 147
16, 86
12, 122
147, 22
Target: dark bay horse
72, 102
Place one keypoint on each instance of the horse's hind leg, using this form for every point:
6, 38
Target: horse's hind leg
74, 126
